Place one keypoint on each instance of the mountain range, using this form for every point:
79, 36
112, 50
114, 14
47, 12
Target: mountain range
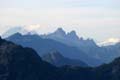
43, 46
88, 46
22, 63
67, 43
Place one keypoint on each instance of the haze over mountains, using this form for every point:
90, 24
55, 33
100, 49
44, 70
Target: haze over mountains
43, 46
30, 30
69, 45
59, 39
14, 30
18, 63
88, 46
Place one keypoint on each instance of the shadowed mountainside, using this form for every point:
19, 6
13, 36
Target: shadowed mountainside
55, 58
18, 63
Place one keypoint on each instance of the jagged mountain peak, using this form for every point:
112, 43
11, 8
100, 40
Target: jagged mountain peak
90, 40
17, 34
60, 31
73, 32
73, 35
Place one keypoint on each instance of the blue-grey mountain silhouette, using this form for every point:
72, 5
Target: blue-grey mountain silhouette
88, 46
18, 63
45, 45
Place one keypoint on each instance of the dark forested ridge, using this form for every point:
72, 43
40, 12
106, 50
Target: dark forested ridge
18, 63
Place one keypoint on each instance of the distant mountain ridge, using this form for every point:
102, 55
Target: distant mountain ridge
19, 63
88, 46
71, 39
17, 29
67, 38
45, 45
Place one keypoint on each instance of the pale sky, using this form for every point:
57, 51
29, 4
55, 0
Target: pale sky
97, 19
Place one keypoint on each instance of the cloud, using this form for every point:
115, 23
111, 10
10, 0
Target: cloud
110, 41
113, 40
97, 18
39, 28
32, 27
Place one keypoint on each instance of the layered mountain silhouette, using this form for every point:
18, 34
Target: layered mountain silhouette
18, 63
55, 58
43, 46
104, 53
88, 46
